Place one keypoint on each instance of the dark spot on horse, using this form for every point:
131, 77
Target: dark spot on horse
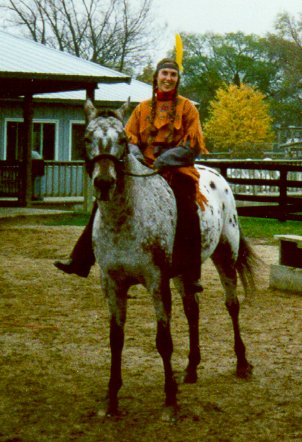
122, 222
212, 185
226, 190
233, 220
223, 207
223, 254
158, 254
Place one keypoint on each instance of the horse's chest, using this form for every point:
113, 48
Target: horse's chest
131, 240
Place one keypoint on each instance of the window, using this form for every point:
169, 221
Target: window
14, 143
43, 140
77, 141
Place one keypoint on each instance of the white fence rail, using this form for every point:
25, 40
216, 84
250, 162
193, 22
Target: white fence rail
272, 182
62, 179
67, 178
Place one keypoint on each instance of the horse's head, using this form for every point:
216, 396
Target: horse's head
106, 146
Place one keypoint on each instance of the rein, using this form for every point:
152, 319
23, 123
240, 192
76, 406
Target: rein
119, 163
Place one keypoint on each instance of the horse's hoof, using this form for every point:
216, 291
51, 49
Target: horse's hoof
110, 410
169, 414
244, 371
110, 414
190, 377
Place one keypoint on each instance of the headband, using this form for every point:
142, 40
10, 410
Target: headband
167, 65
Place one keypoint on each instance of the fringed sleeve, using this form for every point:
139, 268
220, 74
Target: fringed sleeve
132, 127
193, 134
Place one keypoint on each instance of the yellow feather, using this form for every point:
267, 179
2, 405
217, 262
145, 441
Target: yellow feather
178, 51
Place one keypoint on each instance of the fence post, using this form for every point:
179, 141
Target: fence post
88, 192
25, 196
283, 195
223, 171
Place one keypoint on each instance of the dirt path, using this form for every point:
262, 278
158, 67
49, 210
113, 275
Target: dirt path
55, 357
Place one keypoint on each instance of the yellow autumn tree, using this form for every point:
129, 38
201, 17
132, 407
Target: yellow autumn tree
239, 119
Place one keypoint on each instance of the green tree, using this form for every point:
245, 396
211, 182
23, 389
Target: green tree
285, 48
271, 64
147, 74
239, 118
212, 60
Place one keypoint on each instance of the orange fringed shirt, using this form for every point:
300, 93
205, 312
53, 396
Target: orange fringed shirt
187, 131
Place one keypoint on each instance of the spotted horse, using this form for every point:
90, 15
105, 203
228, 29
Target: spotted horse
133, 235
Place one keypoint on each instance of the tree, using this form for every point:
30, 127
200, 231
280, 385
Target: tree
111, 32
238, 118
272, 65
212, 60
285, 47
147, 73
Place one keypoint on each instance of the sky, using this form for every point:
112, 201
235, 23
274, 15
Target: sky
222, 16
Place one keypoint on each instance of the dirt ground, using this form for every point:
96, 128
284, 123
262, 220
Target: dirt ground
55, 358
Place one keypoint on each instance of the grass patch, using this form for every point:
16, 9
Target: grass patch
267, 227
252, 227
72, 219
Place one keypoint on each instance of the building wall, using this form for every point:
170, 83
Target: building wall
60, 114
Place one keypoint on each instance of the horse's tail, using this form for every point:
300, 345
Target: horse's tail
246, 265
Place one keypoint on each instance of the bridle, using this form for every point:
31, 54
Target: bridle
119, 164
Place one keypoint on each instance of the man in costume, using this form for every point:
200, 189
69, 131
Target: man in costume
166, 134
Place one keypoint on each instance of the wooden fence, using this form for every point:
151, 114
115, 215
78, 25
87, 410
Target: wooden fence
262, 188
9, 179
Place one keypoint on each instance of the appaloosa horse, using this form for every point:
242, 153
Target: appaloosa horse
133, 237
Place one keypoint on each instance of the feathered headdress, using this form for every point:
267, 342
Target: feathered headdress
179, 51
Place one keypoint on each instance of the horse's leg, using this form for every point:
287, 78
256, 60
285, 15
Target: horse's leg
191, 309
224, 262
164, 345
117, 305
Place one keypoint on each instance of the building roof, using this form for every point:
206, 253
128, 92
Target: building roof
30, 67
105, 94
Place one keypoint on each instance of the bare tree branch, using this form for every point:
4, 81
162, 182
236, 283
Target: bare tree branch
110, 32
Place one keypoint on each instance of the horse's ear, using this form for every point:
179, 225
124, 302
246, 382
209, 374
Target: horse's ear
90, 110
123, 109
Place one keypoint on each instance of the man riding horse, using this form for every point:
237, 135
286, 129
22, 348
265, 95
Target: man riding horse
165, 133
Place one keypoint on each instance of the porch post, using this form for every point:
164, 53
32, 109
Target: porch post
90, 92
26, 164
88, 189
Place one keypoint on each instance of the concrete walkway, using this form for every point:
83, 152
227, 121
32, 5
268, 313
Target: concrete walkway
12, 212
49, 206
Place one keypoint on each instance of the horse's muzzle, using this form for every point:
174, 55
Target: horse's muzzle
104, 187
